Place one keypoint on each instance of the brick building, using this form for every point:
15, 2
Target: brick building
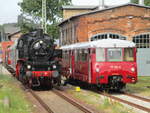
128, 22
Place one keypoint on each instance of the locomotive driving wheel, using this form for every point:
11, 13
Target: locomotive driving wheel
21, 76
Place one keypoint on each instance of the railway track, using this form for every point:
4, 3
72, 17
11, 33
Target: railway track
131, 100
57, 102
137, 101
46, 101
138, 97
144, 102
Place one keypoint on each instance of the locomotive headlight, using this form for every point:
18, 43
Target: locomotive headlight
41, 41
29, 66
97, 69
133, 69
54, 66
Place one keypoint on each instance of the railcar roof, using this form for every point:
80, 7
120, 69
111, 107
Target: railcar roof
104, 43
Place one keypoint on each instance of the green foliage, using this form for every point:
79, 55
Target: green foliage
135, 1
146, 2
142, 87
101, 103
53, 29
33, 8
26, 25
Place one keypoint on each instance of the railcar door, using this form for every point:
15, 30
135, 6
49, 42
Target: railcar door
65, 63
81, 65
85, 64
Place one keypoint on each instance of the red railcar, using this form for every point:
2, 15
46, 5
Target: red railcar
5, 46
107, 63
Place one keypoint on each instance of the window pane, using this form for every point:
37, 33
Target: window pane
142, 41
114, 54
128, 54
100, 54
84, 55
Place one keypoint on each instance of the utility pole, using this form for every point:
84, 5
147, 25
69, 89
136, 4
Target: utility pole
44, 17
141, 2
101, 4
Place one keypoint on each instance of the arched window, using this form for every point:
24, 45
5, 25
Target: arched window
142, 40
107, 35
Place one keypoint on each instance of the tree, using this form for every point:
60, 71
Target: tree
26, 24
33, 8
146, 2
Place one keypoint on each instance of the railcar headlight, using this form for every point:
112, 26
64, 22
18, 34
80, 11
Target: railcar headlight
54, 66
133, 69
97, 69
29, 66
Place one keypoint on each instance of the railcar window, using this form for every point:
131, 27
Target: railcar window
114, 55
77, 55
81, 55
128, 54
100, 54
65, 55
84, 55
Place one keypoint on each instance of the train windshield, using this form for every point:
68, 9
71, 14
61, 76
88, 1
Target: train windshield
100, 54
114, 54
129, 54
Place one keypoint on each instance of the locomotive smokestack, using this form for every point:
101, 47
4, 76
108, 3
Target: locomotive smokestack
101, 4
141, 2
39, 33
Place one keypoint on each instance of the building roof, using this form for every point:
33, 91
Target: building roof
15, 33
104, 43
101, 10
72, 7
11, 28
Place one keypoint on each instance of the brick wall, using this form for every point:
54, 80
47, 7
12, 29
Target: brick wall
69, 13
127, 21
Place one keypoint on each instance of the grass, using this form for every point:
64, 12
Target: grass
17, 101
99, 102
142, 87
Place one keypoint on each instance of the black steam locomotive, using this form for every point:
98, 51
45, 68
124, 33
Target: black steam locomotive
36, 59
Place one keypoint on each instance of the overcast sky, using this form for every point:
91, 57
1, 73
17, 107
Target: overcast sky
9, 9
